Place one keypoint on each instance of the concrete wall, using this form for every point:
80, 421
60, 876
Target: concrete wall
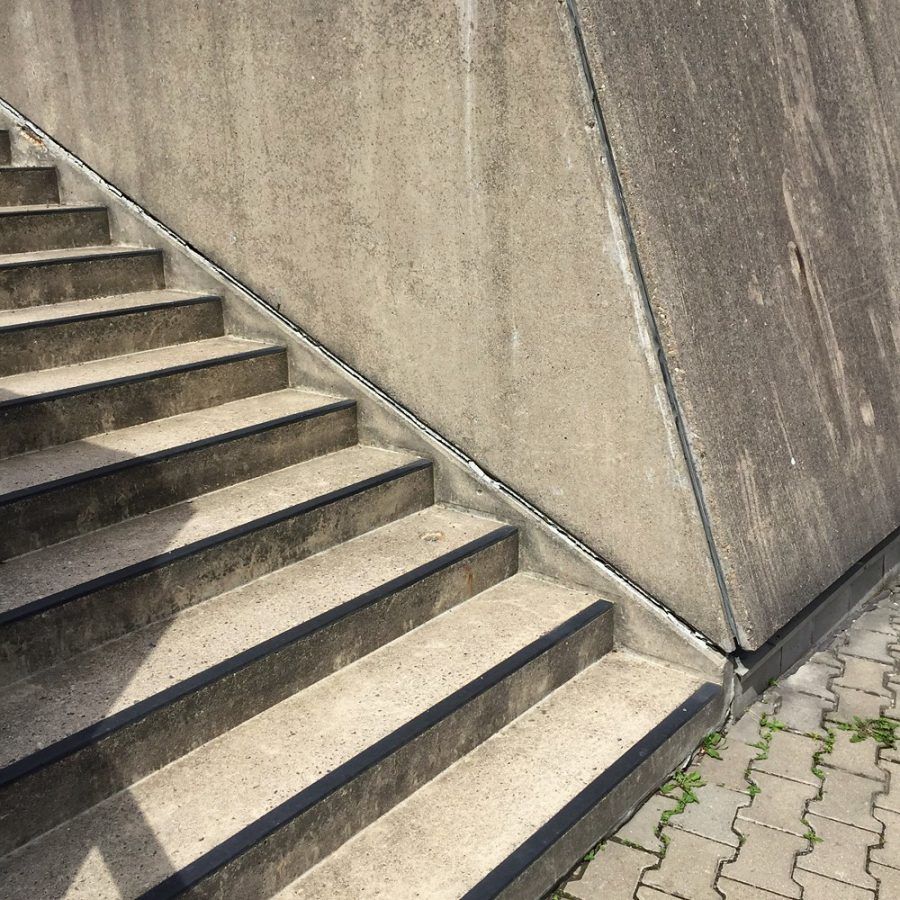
420, 187
758, 147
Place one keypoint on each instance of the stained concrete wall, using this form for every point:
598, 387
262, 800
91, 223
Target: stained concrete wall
421, 187
758, 150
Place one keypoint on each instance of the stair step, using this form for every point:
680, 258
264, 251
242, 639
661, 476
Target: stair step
300, 776
52, 227
54, 406
28, 185
157, 693
53, 494
55, 276
5, 149
518, 811
146, 568
44, 337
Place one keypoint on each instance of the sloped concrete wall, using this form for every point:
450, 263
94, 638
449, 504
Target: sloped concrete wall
420, 187
758, 149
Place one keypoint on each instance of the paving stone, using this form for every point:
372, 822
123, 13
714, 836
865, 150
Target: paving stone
889, 854
869, 644
864, 675
613, 874
849, 799
649, 893
877, 619
826, 658
730, 771
766, 859
841, 854
812, 678
817, 887
713, 815
802, 712
891, 798
860, 758
780, 804
857, 703
736, 890
641, 828
889, 880
689, 867
790, 756
746, 729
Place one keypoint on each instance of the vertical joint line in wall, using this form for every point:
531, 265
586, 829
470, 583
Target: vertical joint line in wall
606, 147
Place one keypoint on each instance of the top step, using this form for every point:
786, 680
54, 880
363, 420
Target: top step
5, 153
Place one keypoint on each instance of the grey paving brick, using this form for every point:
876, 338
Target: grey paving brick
878, 618
713, 815
812, 678
841, 854
780, 804
817, 887
826, 658
730, 770
869, 644
860, 758
790, 756
864, 675
889, 854
735, 890
849, 799
649, 893
888, 881
689, 867
802, 712
857, 703
746, 729
641, 828
613, 874
890, 799
766, 859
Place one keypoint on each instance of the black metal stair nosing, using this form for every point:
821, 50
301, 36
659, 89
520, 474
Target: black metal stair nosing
529, 852
93, 733
161, 560
107, 313
272, 821
117, 253
33, 399
176, 451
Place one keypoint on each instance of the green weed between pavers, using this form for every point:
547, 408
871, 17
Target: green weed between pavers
768, 725
881, 730
713, 744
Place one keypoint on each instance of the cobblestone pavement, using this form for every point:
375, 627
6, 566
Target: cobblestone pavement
799, 799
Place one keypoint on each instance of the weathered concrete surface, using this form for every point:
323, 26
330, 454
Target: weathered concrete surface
757, 146
421, 189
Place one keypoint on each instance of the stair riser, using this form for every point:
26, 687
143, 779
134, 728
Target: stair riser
133, 752
610, 812
46, 346
308, 838
57, 282
32, 643
57, 230
5, 150
60, 514
24, 187
57, 420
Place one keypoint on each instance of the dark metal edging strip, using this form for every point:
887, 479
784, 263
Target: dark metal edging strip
93, 733
295, 806
521, 859
163, 559
49, 209
113, 253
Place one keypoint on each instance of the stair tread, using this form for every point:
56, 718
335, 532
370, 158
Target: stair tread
131, 365
93, 306
71, 254
82, 560
44, 708
210, 794
38, 208
69, 461
496, 797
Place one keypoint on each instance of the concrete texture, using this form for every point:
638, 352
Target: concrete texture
26, 186
27, 228
757, 152
425, 181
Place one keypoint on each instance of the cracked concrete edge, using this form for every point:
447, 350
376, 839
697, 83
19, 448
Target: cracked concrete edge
643, 623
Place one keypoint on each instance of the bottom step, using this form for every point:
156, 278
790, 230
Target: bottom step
511, 817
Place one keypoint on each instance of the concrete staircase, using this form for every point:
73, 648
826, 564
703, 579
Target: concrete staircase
233, 639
